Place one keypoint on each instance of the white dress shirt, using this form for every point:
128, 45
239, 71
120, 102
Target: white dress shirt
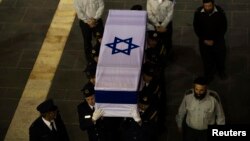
160, 12
87, 9
48, 123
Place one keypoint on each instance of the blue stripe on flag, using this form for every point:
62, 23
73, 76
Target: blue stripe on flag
119, 97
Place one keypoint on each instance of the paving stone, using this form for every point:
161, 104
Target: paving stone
26, 46
183, 18
186, 63
75, 133
19, 37
11, 93
51, 3
4, 125
75, 95
241, 1
192, 6
9, 58
58, 94
1, 27
74, 45
180, 6
237, 37
69, 59
10, 77
18, 28
66, 79
233, 7
219, 2
235, 62
69, 113
240, 19
29, 3
28, 59
7, 3
115, 5
189, 38
38, 15
75, 34
177, 32
81, 62
14, 15
7, 106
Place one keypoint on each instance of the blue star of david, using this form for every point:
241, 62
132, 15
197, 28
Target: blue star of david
126, 51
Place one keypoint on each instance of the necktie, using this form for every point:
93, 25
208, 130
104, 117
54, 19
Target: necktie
53, 127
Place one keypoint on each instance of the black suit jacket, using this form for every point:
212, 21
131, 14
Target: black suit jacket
39, 131
85, 119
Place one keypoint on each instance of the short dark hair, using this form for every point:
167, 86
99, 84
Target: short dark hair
207, 1
201, 80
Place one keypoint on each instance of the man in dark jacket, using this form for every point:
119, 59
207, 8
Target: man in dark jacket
143, 124
88, 116
49, 126
210, 25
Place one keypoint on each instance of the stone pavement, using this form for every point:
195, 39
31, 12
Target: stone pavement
24, 24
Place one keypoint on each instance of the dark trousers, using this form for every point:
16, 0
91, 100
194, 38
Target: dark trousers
191, 134
166, 39
87, 33
213, 58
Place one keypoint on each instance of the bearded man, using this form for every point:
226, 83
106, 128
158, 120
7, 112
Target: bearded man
200, 107
210, 26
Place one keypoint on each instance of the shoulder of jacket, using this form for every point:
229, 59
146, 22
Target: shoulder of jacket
82, 104
198, 10
36, 123
188, 92
220, 9
214, 94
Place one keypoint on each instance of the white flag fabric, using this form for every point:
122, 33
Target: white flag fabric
120, 60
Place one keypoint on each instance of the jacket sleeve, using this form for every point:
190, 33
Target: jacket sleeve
169, 16
33, 134
181, 113
100, 10
223, 24
219, 114
196, 24
80, 13
85, 119
152, 19
63, 131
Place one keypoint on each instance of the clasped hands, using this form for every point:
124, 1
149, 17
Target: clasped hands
92, 22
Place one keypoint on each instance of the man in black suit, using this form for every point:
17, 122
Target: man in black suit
210, 26
49, 125
88, 116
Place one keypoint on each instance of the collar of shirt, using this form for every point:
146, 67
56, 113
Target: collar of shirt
91, 107
48, 123
215, 10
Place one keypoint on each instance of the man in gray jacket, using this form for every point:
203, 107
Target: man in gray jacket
200, 107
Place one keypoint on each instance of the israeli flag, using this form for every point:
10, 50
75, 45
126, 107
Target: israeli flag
119, 64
